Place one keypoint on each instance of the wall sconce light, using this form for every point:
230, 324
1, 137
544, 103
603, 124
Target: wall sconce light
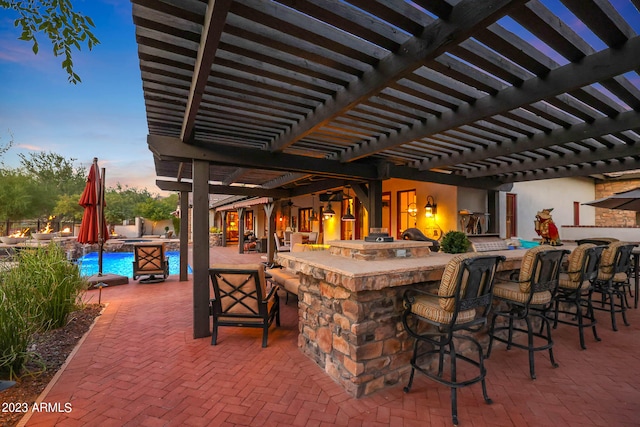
348, 217
431, 208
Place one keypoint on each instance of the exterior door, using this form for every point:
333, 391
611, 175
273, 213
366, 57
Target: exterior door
512, 220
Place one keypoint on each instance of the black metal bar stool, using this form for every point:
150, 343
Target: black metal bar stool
529, 297
613, 280
461, 304
575, 290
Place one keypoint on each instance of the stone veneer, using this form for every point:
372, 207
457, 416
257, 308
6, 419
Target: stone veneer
350, 310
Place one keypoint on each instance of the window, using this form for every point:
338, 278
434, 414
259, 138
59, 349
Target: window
304, 220
248, 220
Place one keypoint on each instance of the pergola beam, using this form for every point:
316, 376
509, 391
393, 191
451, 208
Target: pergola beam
170, 148
602, 65
214, 20
581, 131
464, 19
225, 189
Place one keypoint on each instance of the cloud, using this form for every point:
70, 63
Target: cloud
30, 147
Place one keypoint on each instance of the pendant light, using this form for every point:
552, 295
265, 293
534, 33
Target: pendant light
348, 217
328, 212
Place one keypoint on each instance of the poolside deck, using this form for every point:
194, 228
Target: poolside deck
140, 366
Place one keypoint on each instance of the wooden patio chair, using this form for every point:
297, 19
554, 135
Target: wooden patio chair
241, 298
150, 260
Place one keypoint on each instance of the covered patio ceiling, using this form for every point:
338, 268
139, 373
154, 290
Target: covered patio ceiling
289, 97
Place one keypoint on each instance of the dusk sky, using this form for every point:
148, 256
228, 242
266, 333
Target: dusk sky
103, 116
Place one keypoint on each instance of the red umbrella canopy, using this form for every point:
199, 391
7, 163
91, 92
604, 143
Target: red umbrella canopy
93, 210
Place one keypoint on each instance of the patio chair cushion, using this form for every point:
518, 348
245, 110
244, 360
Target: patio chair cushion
526, 268
286, 279
617, 278
237, 280
448, 281
431, 308
607, 261
576, 260
566, 282
513, 291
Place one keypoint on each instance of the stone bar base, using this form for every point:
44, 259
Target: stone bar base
350, 313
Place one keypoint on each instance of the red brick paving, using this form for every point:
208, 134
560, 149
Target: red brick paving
140, 366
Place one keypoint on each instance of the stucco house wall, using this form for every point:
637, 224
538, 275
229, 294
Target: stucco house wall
559, 194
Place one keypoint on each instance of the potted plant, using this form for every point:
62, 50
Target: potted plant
455, 242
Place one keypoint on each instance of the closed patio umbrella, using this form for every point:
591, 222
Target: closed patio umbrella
93, 228
625, 200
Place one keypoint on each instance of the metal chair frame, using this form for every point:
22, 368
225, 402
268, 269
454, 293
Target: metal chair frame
150, 260
609, 289
247, 296
579, 298
544, 277
478, 274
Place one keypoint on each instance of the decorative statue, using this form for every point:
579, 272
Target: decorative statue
546, 228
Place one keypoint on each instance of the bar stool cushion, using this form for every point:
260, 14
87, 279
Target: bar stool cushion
607, 260
430, 308
513, 291
566, 282
448, 281
576, 258
526, 267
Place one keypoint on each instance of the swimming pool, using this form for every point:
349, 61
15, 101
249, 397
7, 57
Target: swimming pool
121, 263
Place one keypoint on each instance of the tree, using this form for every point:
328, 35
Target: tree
65, 28
68, 208
121, 203
55, 172
55, 176
158, 209
20, 196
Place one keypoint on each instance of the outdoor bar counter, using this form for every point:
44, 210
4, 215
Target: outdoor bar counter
350, 306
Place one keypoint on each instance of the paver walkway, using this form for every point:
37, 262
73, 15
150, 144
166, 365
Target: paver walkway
140, 366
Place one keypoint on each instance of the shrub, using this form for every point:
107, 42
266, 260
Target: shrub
455, 242
16, 327
36, 295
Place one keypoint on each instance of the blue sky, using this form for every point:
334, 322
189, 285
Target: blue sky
103, 116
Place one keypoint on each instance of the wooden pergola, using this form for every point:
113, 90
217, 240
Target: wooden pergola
285, 98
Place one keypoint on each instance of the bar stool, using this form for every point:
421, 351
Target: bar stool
461, 304
530, 297
613, 280
575, 289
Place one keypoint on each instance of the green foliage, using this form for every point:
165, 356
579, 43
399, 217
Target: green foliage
21, 196
214, 230
121, 203
65, 28
16, 328
54, 172
37, 294
68, 208
176, 224
455, 242
158, 209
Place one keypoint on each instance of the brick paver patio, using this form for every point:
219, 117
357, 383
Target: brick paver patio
140, 366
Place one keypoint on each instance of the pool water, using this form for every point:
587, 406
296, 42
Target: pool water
121, 263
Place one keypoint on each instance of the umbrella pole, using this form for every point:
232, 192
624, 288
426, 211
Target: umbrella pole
100, 219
